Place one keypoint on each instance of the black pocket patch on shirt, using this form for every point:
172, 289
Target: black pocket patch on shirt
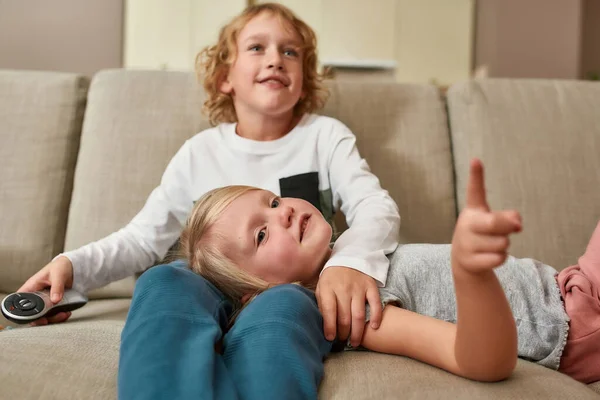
303, 186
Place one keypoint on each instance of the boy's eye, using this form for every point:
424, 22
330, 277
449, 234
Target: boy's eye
261, 236
275, 203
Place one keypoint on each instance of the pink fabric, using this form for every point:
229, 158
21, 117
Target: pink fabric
580, 288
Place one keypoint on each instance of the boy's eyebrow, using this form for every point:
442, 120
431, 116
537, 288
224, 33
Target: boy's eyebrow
263, 37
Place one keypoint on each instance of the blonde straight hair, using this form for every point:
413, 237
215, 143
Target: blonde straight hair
200, 249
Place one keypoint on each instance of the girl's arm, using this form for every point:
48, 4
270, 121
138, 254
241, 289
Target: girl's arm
482, 349
483, 343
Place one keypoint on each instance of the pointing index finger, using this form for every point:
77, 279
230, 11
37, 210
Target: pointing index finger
476, 197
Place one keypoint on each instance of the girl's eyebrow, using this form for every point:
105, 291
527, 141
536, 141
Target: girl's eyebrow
264, 199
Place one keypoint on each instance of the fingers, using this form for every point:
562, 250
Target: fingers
358, 320
57, 288
60, 317
476, 187
328, 306
344, 317
375, 305
487, 260
488, 244
37, 282
497, 223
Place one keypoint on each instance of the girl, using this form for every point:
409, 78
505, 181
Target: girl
246, 240
262, 86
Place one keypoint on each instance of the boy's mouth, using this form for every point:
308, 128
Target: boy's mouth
303, 224
274, 80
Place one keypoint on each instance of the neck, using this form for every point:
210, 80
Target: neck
312, 282
264, 128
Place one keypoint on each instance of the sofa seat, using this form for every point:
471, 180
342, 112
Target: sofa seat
86, 368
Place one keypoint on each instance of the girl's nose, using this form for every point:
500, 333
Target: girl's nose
285, 215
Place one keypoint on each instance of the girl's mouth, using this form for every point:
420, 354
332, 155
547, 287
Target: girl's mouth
303, 226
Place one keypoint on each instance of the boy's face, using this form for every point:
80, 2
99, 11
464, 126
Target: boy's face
266, 76
280, 240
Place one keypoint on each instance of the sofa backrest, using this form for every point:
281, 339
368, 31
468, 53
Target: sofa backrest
540, 143
136, 120
402, 132
40, 124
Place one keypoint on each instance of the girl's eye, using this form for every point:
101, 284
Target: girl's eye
275, 203
261, 236
256, 47
290, 53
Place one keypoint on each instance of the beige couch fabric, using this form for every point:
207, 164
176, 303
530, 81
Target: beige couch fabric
366, 375
402, 132
74, 360
540, 142
135, 122
41, 115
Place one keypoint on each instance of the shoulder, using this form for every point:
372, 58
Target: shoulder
208, 137
328, 128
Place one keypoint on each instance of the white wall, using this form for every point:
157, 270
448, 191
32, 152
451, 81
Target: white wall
429, 40
168, 34
81, 36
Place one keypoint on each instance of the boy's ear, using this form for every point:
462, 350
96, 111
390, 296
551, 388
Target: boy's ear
224, 84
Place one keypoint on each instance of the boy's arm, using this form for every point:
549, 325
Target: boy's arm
144, 240
372, 215
358, 263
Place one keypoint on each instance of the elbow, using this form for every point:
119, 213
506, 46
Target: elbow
492, 372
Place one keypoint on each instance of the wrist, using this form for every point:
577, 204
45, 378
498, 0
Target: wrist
462, 273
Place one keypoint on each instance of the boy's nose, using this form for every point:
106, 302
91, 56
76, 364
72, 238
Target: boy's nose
275, 61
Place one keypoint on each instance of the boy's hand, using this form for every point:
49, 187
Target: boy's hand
57, 275
480, 242
341, 294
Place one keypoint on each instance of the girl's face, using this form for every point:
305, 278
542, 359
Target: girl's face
266, 76
280, 240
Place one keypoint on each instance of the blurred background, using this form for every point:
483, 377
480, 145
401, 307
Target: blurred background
435, 41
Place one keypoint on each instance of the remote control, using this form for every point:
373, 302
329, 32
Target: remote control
25, 307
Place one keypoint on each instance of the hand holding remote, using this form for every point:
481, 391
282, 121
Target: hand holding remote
55, 276
26, 307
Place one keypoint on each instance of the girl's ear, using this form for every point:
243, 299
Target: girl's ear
246, 297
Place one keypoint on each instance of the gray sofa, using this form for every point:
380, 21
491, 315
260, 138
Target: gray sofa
78, 159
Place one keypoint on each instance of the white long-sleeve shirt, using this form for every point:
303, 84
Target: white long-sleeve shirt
317, 160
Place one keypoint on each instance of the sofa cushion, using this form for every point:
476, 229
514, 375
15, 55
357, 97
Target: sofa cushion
86, 368
40, 124
365, 375
134, 124
73, 360
402, 132
539, 141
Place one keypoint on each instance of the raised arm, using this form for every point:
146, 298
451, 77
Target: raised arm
482, 345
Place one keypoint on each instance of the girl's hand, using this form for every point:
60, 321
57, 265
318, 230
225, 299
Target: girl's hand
57, 275
342, 293
480, 241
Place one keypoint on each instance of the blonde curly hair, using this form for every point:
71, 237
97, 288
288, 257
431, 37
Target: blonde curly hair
213, 62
